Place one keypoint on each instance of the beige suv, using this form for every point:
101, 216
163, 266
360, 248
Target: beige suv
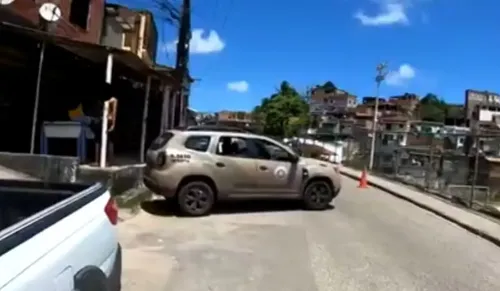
197, 168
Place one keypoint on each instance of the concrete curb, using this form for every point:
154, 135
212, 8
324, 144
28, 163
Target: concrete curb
431, 209
129, 202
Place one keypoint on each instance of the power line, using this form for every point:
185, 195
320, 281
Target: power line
227, 14
223, 24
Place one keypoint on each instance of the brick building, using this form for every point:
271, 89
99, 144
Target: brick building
393, 112
81, 19
329, 107
234, 118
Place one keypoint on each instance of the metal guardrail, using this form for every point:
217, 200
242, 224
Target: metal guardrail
470, 179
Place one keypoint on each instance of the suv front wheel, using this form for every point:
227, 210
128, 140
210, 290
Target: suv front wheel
318, 195
196, 198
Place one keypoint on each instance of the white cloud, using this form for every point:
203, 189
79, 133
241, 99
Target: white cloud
200, 43
389, 12
238, 86
403, 74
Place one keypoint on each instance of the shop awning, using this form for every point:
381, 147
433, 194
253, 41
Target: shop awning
92, 52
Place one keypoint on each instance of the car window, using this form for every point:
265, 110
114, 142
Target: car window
286, 146
197, 143
270, 151
161, 140
235, 147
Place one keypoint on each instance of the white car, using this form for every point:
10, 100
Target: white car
58, 237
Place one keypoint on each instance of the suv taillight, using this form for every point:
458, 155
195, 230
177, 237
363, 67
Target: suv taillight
111, 210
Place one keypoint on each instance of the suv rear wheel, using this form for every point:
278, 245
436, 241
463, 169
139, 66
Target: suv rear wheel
318, 195
196, 198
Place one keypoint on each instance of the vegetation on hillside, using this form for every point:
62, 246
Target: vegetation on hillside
283, 113
286, 111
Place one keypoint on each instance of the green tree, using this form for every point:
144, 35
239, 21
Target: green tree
432, 108
329, 85
284, 113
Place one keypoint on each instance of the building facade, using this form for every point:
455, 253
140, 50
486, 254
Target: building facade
130, 30
234, 116
481, 106
334, 99
329, 105
81, 19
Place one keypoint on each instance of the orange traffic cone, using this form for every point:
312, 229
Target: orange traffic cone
363, 182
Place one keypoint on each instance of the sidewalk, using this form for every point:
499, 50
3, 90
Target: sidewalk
470, 221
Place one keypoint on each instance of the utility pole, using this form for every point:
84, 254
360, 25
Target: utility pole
379, 78
182, 60
472, 197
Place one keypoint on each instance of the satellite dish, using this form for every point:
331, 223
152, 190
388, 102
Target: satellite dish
6, 2
48, 11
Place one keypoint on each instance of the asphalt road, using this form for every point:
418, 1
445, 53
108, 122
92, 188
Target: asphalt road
369, 241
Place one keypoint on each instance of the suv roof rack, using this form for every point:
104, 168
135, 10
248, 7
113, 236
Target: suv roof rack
212, 128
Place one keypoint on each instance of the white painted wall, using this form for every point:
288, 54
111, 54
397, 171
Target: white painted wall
335, 148
487, 115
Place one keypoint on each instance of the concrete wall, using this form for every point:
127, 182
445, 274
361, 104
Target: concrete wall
118, 180
112, 33
43, 167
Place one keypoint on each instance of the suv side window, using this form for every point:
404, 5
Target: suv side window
197, 143
238, 147
161, 141
269, 151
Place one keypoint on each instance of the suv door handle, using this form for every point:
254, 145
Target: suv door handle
263, 168
220, 165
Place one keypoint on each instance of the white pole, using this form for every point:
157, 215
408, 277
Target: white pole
145, 119
105, 112
381, 73
104, 135
37, 97
374, 129
173, 113
165, 120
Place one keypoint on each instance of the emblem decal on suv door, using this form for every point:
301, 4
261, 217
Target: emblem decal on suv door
280, 172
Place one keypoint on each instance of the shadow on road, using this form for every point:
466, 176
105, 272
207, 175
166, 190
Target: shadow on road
169, 208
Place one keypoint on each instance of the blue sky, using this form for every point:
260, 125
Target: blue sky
242, 49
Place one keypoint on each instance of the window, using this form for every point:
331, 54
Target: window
251, 148
128, 39
79, 13
197, 143
270, 151
234, 146
161, 141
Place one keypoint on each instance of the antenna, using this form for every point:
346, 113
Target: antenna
50, 12
6, 2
